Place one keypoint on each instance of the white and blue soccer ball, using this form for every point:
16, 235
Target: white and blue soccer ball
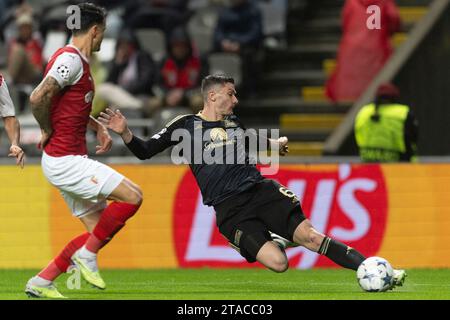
375, 274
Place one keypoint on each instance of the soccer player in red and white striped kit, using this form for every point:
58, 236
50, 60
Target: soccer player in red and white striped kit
61, 104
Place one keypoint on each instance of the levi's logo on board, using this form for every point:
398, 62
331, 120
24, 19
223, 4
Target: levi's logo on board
346, 202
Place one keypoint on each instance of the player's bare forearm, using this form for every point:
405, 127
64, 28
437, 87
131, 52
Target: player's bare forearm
41, 100
103, 137
12, 129
93, 124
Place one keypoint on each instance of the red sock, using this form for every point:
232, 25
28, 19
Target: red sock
112, 220
62, 262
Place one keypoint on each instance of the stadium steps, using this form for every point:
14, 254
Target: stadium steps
309, 149
292, 91
310, 122
328, 66
411, 15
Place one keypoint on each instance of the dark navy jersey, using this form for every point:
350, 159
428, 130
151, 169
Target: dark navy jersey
217, 152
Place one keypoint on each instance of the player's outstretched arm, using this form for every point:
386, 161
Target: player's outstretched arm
41, 100
12, 128
115, 121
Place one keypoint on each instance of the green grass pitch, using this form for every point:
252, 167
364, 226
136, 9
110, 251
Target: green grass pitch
229, 284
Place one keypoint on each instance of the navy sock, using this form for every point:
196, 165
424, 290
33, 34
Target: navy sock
341, 254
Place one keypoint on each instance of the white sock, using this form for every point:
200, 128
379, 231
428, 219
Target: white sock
85, 253
40, 282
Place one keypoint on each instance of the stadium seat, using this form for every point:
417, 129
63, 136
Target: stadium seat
274, 18
197, 4
226, 63
201, 28
53, 41
153, 41
37, 5
164, 116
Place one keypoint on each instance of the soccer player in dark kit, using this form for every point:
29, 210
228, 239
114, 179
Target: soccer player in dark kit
258, 216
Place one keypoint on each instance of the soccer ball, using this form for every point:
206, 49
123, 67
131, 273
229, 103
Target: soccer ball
375, 274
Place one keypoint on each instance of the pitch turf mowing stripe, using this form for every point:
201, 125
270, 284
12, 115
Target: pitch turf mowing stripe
200, 284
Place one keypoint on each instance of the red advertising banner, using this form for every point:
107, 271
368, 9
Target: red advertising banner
348, 203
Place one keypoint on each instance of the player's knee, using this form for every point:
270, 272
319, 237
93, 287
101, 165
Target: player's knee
279, 263
140, 193
134, 197
280, 266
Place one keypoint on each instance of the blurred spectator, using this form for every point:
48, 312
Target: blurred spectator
362, 51
10, 10
131, 76
239, 30
161, 14
23, 8
25, 60
181, 73
386, 131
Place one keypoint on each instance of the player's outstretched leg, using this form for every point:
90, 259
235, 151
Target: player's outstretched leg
343, 255
127, 198
41, 285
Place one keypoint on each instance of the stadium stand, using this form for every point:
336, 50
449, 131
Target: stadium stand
301, 42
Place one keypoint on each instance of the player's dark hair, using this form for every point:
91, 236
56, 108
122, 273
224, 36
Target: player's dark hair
213, 80
91, 15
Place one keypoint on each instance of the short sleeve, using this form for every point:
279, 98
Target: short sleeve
6, 104
67, 69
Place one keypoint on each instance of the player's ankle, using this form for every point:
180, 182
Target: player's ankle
40, 282
86, 253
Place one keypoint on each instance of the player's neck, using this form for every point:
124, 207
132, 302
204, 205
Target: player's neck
84, 45
209, 115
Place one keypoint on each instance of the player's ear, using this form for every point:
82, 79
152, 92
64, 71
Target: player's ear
212, 95
95, 30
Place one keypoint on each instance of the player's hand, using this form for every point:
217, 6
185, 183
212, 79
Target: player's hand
282, 142
17, 152
104, 139
113, 120
45, 137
